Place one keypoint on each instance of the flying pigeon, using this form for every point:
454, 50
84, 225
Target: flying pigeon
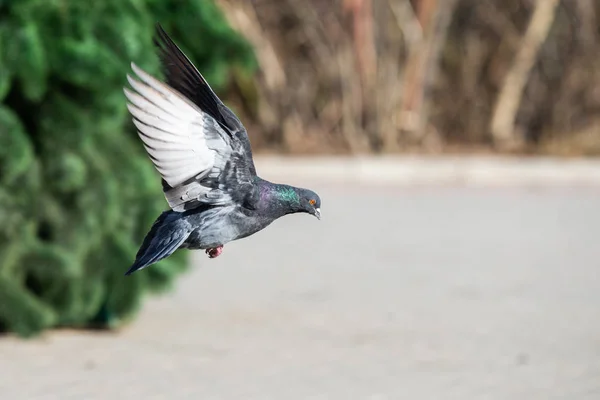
202, 152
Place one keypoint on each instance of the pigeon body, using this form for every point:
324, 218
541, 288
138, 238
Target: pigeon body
204, 157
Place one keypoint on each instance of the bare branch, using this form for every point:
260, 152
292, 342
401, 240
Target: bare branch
505, 112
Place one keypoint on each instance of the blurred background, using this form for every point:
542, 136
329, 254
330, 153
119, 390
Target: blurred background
454, 144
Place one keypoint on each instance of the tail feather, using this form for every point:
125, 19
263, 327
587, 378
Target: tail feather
168, 232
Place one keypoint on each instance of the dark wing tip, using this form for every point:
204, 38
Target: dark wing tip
173, 56
183, 76
161, 39
158, 27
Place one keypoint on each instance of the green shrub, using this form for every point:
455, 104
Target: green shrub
77, 192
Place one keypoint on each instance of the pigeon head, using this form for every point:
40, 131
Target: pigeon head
290, 199
310, 202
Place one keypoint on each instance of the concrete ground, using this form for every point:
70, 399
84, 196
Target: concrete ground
399, 292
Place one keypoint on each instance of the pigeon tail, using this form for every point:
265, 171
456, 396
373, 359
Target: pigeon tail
166, 235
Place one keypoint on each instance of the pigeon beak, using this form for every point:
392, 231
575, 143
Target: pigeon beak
318, 213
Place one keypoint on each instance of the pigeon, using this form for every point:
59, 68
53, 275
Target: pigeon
203, 155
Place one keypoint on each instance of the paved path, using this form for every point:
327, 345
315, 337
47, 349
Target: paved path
472, 170
398, 293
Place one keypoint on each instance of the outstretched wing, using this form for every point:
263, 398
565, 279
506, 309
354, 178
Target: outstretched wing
183, 76
199, 162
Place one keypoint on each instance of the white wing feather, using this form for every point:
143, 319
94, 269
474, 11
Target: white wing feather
171, 128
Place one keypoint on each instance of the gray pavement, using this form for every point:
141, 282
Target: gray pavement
406, 292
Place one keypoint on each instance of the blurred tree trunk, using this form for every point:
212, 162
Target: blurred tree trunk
434, 16
503, 119
362, 30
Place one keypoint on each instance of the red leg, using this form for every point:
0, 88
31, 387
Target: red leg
214, 252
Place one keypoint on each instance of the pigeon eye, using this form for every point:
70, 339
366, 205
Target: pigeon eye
312, 202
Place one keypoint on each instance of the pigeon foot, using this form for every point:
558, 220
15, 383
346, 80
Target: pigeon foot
214, 252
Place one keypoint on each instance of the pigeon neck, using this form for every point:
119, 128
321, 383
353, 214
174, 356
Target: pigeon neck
280, 199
